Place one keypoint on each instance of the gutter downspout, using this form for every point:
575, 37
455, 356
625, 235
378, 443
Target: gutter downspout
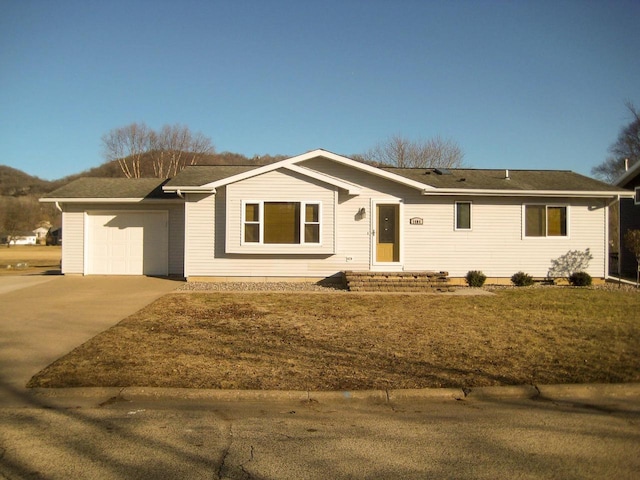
179, 193
58, 206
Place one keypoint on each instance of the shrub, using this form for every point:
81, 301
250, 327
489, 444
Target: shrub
521, 279
580, 279
475, 278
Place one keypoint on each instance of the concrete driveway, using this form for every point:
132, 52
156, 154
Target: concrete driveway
42, 318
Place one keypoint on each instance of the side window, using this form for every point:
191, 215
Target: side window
545, 221
311, 223
252, 222
463, 216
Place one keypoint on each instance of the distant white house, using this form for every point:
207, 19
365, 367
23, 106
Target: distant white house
21, 239
319, 214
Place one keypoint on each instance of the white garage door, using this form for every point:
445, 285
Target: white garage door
127, 243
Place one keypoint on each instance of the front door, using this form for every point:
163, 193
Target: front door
387, 233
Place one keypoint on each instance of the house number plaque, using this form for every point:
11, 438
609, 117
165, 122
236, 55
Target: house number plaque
416, 221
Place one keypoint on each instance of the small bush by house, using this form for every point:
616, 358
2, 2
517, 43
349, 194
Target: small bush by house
580, 279
521, 279
475, 278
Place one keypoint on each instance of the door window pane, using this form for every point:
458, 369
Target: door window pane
386, 223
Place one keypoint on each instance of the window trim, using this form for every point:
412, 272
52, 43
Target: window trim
303, 204
455, 216
546, 235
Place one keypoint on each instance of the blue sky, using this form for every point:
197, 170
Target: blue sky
518, 84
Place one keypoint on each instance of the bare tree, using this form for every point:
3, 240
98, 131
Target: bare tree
168, 150
405, 153
626, 149
175, 147
127, 145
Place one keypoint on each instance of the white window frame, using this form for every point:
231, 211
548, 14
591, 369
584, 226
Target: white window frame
546, 235
260, 222
455, 216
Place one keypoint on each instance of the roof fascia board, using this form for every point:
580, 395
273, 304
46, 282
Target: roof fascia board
528, 193
307, 172
635, 169
181, 190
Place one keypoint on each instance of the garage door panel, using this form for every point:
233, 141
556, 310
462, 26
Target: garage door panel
127, 243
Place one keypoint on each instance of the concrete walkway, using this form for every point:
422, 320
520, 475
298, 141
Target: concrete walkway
43, 318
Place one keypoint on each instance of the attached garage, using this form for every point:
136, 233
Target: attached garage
126, 243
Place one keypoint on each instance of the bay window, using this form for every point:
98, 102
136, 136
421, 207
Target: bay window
286, 223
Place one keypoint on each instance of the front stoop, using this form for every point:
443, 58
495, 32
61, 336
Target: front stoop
425, 282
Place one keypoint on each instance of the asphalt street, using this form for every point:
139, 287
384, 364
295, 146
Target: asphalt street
175, 436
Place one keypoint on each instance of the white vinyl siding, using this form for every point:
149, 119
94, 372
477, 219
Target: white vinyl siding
200, 229
73, 241
496, 245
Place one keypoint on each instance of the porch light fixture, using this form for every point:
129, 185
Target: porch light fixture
362, 213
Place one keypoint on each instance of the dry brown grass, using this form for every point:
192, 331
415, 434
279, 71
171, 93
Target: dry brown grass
344, 341
40, 259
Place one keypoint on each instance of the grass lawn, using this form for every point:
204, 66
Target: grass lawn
346, 341
38, 259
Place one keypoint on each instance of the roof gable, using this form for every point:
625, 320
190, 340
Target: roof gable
190, 182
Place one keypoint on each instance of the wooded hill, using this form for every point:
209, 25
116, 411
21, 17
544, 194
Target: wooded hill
16, 183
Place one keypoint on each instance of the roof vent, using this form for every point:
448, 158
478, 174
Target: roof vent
506, 175
442, 171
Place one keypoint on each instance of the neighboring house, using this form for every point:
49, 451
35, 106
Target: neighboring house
23, 238
318, 214
629, 218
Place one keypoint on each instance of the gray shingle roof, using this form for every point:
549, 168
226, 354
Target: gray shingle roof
467, 179
525, 180
198, 175
89, 187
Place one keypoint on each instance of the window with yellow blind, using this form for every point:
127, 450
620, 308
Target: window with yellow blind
545, 221
287, 223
